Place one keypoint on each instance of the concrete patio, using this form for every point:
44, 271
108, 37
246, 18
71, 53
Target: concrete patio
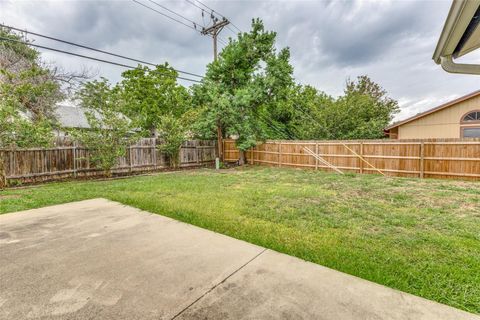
98, 259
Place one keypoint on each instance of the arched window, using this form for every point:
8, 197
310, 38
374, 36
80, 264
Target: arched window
469, 127
471, 116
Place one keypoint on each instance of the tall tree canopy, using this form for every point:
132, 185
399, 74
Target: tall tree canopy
110, 130
150, 94
246, 83
29, 91
249, 93
361, 112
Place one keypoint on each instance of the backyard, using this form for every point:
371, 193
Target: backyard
418, 236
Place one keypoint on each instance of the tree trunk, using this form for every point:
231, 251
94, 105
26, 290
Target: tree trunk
241, 160
220, 142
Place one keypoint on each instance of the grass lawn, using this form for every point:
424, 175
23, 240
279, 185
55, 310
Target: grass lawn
418, 236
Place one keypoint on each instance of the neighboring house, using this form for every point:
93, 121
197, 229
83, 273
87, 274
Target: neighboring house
460, 36
459, 118
70, 117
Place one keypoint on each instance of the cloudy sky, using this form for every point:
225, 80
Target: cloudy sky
330, 41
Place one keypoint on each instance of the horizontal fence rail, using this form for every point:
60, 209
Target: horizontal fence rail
429, 158
38, 164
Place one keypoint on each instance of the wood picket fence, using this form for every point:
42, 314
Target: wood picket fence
67, 160
425, 158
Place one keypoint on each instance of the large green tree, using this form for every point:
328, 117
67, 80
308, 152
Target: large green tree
243, 86
29, 91
110, 132
150, 94
361, 112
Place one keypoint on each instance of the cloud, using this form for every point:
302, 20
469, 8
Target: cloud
391, 41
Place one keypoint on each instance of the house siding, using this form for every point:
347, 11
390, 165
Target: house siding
444, 123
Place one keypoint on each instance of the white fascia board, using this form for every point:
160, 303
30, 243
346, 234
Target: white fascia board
459, 17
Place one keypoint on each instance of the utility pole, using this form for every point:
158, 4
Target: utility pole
214, 30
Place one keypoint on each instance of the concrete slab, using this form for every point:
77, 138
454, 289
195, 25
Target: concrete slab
278, 286
100, 259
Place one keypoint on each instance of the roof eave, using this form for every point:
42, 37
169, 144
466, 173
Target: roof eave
459, 17
438, 108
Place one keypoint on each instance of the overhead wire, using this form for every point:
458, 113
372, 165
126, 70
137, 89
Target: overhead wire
94, 49
266, 120
165, 15
194, 4
221, 15
89, 57
194, 27
177, 14
222, 41
233, 31
275, 127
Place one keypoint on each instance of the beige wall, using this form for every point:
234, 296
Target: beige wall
440, 124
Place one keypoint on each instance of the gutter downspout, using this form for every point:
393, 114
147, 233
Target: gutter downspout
450, 66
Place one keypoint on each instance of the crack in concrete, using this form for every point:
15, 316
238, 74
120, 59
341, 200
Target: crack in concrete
215, 286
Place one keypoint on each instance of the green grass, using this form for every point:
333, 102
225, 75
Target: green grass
418, 236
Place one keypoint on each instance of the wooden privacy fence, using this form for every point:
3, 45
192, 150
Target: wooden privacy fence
432, 158
37, 164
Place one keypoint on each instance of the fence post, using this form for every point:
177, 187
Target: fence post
197, 152
252, 160
316, 152
361, 155
154, 150
13, 162
222, 157
3, 174
130, 157
45, 162
74, 159
422, 159
279, 158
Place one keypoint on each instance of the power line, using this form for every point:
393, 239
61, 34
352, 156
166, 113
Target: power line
282, 131
88, 57
194, 23
221, 15
222, 41
94, 49
282, 134
165, 15
233, 31
194, 4
175, 13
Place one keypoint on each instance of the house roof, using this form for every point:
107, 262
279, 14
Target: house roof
71, 116
438, 108
461, 32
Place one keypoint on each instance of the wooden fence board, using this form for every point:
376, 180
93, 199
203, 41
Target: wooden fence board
68, 160
429, 158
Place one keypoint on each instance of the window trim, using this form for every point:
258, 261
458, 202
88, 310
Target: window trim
469, 122
468, 127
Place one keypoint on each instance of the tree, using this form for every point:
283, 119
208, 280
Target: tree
243, 86
150, 94
362, 112
29, 91
172, 134
110, 132
308, 105
18, 131
27, 96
